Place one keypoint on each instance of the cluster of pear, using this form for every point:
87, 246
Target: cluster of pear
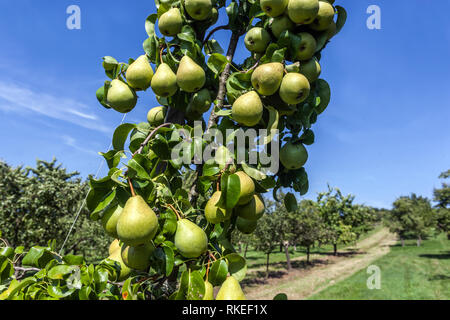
249, 209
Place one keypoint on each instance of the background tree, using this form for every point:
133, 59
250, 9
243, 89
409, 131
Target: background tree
442, 197
334, 207
39, 204
412, 217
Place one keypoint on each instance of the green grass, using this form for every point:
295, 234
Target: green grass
410, 272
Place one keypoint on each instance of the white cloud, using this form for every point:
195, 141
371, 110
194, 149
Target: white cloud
72, 142
19, 99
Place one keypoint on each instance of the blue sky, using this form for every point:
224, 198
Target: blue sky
385, 133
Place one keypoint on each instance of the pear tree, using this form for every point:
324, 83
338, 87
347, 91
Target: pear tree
174, 216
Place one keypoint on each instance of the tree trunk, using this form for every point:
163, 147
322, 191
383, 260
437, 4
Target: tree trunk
419, 241
307, 254
334, 249
295, 247
245, 250
281, 246
288, 258
403, 242
267, 266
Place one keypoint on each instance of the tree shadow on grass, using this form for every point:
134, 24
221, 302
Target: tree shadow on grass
445, 255
439, 277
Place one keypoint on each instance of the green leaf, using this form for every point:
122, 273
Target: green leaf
59, 292
121, 135
212, 46
290, 202
341, 19
105, 202
253, 173
60, 271
7, 252
140, 171
237, 266
192, 286
324, 92
216, 63
281, 296
37, 257
218, 272
73, 259
272, 126
210, 169
307, 137
150, 24
233, 191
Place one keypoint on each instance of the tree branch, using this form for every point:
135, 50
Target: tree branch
226, 27
149, 137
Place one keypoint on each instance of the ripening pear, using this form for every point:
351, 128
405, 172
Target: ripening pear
125, 271
201, 101
293, 156
246, 226
100, 94
156, 116
257, 39
209, 291
110, 218
230, 290
324, 17
266, 78
303, 11
121, 97
253, 210
190, 76
311, 69
281, 24
114, 246
198, 9
247, 188
190, 239
137, 223
170, 22
308, 45
164, 82
138, 258
140, 73
274, 8
295, 88
215, 211
247, 110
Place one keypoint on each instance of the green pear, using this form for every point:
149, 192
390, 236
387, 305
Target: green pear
201, 101
311, 69
140, 73
215, 212
253, 210
257, 39
121, 97
247, 188
198, 9
137, 223
247, 110
293, 156
125, 271
138, 258
266, 79
303, 11
115, 245
246, 226
209, 291
274, 8
294, 88
164, 82
230, 290
156, 116
170, 22
110, 218
190, 76
324, 18
308, 45
190, 239
281, 24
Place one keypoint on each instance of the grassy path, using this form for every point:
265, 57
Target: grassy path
326, 270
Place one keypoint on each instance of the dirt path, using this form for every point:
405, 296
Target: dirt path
326, 270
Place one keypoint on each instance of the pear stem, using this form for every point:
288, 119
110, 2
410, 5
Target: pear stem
212, 256
207, 271
149, 137
174, 210
132, 188
161, 53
